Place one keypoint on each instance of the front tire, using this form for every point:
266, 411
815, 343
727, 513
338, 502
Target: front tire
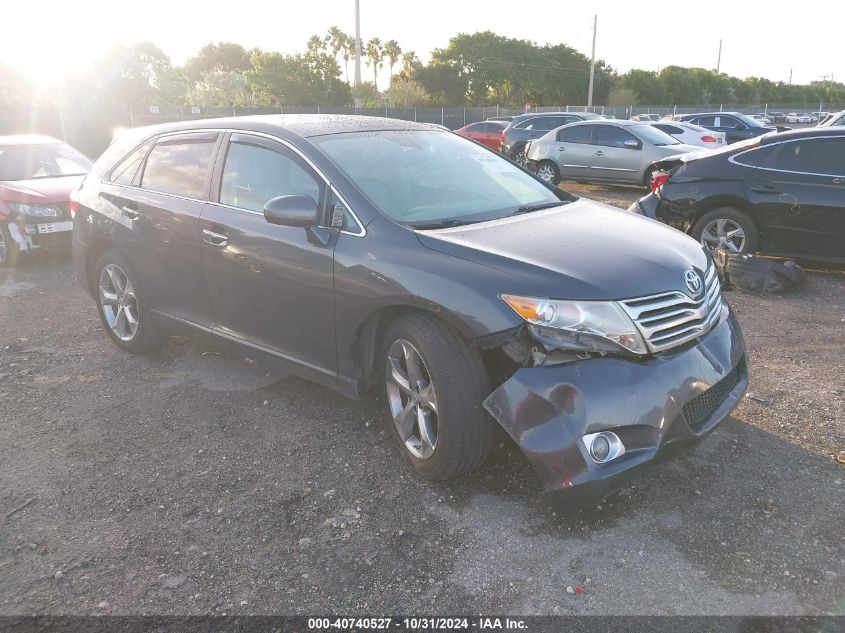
434, 385
122, 307
549, 172
728, 228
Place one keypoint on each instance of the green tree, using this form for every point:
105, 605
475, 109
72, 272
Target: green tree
316, 44
375, 58
224, 88
225, 56
393, 52
410, 62
297, 80
15, 90
408, 93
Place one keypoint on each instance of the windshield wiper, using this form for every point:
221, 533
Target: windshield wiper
442, 224
528, 208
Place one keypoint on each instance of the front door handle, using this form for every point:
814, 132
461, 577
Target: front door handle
599, 153
129, 212
214, 238
561, 149
838, 181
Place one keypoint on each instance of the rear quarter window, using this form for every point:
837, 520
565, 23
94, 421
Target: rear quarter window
179, 166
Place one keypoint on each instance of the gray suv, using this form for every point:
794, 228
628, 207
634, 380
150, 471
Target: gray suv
378, 255
527, 127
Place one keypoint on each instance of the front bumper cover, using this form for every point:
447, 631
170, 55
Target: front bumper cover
547, 410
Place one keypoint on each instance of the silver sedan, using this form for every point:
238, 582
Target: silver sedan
602, 151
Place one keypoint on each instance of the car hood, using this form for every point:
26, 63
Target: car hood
581, 250
39, 190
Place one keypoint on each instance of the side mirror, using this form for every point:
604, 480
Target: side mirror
292, 211
632, 144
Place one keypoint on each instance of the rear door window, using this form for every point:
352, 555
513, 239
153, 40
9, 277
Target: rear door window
819, 156
180, 165
706, 121
576, 134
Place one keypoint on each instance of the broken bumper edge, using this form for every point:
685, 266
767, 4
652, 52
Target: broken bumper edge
547, 410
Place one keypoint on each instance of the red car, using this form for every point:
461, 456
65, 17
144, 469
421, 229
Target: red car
37, 175
487, 133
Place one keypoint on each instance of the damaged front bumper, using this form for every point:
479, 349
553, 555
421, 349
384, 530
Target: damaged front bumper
653, 405
31, 234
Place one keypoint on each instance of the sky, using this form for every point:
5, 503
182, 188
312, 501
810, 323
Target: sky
48, 39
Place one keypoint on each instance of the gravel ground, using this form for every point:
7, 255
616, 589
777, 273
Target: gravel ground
192, 482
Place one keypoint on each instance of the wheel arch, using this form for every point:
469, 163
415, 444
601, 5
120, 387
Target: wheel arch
95, 250
369, 333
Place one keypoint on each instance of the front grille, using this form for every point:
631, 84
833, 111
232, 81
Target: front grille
698, 410
669, 319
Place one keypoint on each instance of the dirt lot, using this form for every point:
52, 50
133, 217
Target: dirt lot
193, 482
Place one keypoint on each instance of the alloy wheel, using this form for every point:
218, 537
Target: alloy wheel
118, 301
547, 173
411, 398
723, 233
521, 158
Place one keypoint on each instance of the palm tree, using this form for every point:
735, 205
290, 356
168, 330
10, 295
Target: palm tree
315, 44
409, 62
336, 40
393, 52
375, 57
348, 50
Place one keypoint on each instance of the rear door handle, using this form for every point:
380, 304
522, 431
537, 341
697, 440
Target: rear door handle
561, 149
838, 181
214, 238
129, 212
599, 153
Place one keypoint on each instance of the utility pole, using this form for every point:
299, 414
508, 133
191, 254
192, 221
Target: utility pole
790, 76
357, 51
719, 58
592, 62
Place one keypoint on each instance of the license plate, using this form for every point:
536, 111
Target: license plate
719, 140
55, 227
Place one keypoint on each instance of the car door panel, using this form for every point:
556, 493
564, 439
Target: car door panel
159, 230
270, 285
802, 210
611, 162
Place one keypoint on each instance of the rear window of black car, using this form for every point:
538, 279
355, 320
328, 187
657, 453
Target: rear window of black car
822, 156
179, 166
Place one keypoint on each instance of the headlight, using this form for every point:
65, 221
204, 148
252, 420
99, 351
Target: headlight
34, 210
582, 326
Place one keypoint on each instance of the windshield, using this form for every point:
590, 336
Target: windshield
427, 179
651, 135
50, 160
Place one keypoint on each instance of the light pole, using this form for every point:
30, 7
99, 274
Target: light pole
592, 62
357, 53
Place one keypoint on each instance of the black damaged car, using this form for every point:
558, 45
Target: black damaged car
380, 255
779, 194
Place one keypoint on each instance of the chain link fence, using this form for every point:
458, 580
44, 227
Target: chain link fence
91, 130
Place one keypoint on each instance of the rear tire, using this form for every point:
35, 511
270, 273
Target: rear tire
435, 384
9, 250
122, 307
729, 228
549, 172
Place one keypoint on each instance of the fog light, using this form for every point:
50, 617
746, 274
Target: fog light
603, 447
600, 448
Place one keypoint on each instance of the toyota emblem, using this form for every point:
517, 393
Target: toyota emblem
693, 281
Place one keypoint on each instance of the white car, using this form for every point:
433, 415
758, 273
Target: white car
691, 134
798, 117
762, 118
